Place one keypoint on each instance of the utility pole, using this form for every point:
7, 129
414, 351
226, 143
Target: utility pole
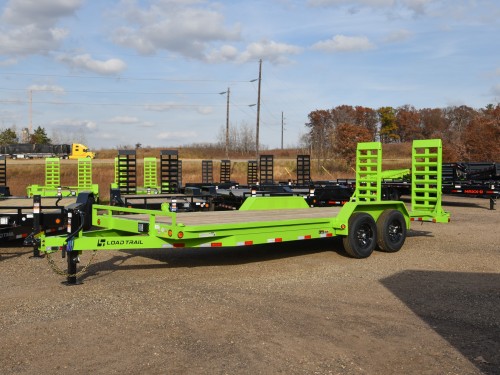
227, 124
258, 112
282, 127
31, 112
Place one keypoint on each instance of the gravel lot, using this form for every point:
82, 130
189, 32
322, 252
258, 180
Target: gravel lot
432, 308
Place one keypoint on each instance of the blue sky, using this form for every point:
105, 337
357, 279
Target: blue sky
117, 73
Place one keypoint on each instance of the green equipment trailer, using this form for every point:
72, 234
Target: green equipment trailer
53, 187
366, 222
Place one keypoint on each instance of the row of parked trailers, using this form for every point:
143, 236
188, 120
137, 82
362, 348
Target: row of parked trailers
471, 179
17, 213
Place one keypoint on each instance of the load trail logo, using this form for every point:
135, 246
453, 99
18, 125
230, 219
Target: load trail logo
104, 242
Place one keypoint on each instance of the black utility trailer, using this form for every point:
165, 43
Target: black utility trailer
22, 217
473, 179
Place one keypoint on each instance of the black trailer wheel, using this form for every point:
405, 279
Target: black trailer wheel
391, 231
362, 236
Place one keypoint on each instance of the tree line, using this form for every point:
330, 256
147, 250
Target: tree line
468, 134
9, 136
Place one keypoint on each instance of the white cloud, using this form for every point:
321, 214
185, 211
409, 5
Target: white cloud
48, 88
59, 34
178, 135
123, 120
398, 36
43, 12
8, 62
82, 124
169, 106
86, 62
174, 26
130, 120
416, 6
371, 3
342, 43
222, 54
163, 107
27, 40
28, 26
270, 51
192, 30
205, 110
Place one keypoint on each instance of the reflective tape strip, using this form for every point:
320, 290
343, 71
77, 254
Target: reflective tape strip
306, 237
246, 243
212, 244
273, 240
326, 234
422, 219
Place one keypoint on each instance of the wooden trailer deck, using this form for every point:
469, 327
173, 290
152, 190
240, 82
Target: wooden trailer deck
14, 204
239, 217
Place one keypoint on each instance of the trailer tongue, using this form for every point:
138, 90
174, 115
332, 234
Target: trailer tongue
366, 222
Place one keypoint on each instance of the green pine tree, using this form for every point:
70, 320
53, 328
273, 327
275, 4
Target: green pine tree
39, 136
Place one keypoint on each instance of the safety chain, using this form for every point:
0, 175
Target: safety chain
59, 271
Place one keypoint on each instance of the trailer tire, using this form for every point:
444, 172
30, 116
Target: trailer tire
362, 237
394, 195
391, 231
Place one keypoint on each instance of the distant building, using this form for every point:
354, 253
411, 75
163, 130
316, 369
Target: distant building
25, 135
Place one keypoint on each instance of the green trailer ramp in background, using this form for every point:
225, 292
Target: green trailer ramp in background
150, 177
365, 222
151, 185
53, 187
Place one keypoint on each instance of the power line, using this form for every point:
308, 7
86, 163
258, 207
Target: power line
118, 104
113, 92
120, 78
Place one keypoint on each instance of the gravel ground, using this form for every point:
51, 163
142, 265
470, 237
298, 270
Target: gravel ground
432, 308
